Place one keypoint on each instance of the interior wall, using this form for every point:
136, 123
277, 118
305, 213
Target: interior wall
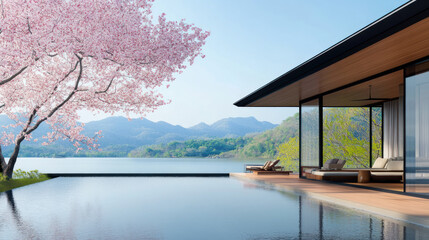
393, 127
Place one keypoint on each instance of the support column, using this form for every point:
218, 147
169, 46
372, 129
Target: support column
299, 140
370, 137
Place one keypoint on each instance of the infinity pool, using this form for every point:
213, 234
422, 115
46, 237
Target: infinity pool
181, 208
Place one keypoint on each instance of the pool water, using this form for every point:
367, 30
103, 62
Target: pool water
181, 208
135, 165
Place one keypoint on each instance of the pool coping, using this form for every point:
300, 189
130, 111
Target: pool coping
55, 175
354, 204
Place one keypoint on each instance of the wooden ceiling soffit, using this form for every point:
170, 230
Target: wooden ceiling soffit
403, 47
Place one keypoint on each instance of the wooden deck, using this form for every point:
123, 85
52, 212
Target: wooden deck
398, 187
385, 203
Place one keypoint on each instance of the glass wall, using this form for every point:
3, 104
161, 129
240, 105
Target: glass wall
377, 132
310, 134
417, 133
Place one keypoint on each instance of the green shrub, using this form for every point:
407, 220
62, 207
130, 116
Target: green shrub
21, 174
2, 178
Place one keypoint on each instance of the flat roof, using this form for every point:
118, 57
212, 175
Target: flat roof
392, 24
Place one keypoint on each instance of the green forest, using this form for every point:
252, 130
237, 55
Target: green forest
263, 145
191, 148
59, 151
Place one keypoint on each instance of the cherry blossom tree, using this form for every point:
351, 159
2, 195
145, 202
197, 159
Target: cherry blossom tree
58, 57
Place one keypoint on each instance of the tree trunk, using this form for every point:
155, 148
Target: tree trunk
8, 171
3, 164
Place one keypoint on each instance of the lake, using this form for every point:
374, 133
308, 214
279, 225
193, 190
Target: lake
134, 165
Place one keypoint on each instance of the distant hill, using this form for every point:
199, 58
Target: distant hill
265, 145
232, 127
138, 132
120, 135
261, 145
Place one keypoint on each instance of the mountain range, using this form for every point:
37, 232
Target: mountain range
138, 132
122, 135
260, 145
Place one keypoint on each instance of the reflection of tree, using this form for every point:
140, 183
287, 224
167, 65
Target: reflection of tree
2, 215
26, 229
11, 202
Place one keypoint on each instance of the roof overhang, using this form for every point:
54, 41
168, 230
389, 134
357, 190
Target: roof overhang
375, 54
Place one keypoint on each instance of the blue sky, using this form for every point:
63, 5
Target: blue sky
252, 42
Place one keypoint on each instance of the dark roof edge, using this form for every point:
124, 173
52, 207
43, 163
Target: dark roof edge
395, 21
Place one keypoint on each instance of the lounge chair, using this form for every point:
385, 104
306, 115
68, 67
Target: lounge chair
383, 170
269, 168
334, 164
332, 171
392, 172
335, 176
329, 165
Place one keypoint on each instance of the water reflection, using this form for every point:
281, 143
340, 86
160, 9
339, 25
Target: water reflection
182, 208
25, 228
318, 220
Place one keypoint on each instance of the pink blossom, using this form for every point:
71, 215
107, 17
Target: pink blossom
59, 57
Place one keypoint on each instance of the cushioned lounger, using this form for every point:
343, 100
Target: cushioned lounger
335, 176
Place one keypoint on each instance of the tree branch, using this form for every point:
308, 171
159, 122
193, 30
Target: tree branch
34, 113
40, 121
121, 64
107, 88
28, 25
22, 69
30, 120
83, 141
13, 76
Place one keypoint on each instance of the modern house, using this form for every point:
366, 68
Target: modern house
384, 65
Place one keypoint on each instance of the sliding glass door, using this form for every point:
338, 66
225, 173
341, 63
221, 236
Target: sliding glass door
310, 115
417, 133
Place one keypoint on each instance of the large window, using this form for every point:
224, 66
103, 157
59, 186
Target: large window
346, 135
350, 133
417, 133
310, 133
